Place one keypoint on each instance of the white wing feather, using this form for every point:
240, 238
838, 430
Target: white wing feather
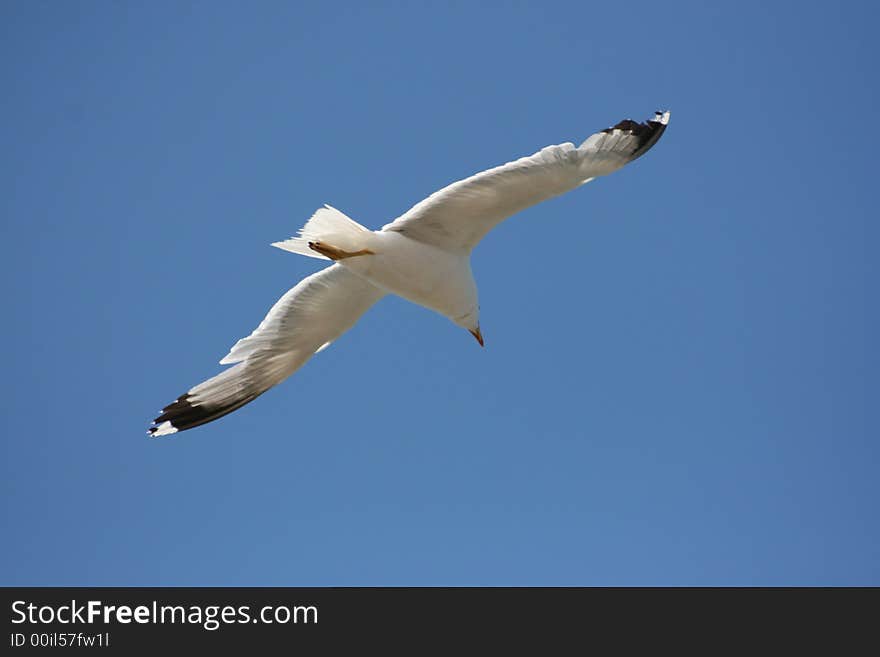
306, 319
458, 216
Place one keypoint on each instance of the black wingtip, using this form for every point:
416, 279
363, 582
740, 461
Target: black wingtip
647, 133
183, 414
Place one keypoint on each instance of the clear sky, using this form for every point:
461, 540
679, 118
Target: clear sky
679, 385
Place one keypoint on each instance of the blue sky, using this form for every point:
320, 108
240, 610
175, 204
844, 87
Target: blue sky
679, 383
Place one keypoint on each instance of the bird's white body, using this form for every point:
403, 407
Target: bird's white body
422, 273
423, 256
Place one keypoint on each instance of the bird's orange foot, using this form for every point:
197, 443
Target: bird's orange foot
337, 254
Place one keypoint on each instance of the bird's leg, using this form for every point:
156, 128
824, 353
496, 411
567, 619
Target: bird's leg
336, 254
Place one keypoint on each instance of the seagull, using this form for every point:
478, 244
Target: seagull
423, 256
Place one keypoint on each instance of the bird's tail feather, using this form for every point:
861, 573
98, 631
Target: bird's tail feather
330, 226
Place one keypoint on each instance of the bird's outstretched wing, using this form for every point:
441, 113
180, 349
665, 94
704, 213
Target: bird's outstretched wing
459, 215
306, 319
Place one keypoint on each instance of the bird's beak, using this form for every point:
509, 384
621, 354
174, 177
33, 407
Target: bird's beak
479, 336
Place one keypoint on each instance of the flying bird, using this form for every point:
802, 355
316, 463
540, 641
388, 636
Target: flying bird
423, 256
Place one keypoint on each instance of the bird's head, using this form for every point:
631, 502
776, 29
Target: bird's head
471, 322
